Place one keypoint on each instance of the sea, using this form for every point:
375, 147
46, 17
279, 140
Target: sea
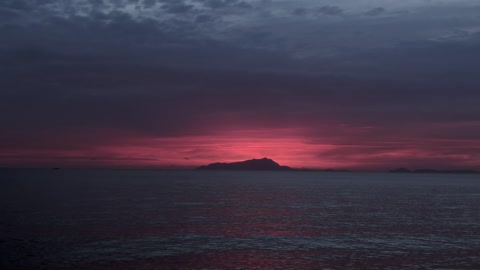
210, 220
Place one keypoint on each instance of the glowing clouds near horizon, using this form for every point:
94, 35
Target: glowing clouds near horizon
286, 146
200, 150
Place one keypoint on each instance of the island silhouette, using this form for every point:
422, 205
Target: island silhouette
264, 164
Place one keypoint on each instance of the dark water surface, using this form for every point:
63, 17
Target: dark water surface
101, 219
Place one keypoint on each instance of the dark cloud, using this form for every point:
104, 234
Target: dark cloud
178, 7
220, 4
123, 97
7, 14
330, 10
300, 12
375, 11
99, 76
203, 18
16, 4
149, 3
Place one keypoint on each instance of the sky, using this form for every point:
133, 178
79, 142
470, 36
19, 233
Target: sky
349, 84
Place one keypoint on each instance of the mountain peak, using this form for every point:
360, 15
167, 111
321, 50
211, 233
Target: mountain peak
264, 164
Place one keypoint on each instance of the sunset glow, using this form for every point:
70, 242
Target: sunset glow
293, 149
136, 84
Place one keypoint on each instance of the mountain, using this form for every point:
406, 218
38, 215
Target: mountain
264, 164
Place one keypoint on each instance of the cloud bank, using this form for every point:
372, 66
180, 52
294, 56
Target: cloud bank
359, 84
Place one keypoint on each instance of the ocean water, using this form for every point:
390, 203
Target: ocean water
121, 219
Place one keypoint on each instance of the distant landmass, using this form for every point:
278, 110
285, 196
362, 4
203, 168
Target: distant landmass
404, 170
264, 164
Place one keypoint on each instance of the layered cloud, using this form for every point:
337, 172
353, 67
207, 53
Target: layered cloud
364, 84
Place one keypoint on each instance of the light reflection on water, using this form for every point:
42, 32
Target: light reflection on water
238, 220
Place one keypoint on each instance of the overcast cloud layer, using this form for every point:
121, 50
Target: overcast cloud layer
395, 81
